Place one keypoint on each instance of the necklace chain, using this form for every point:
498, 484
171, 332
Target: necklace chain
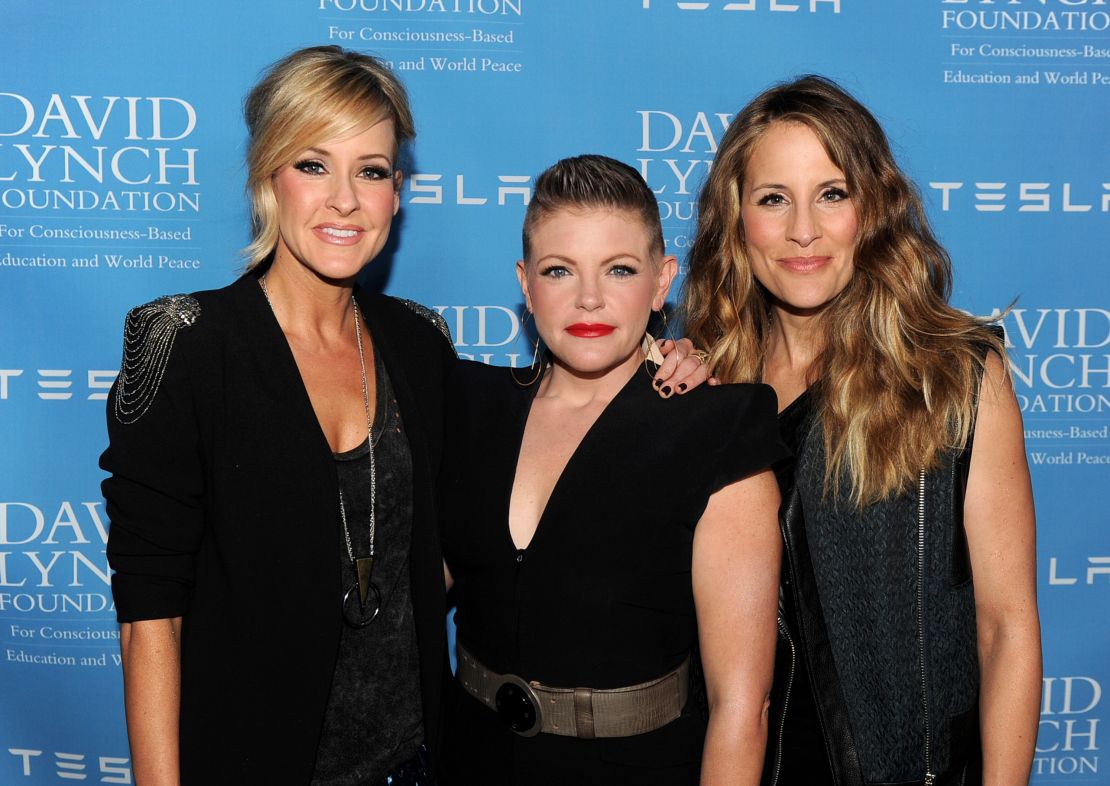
370, 442
369, 431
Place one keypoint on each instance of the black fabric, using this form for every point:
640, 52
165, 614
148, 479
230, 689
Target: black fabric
865, 563
602, 596
810, 741
223, 507
372, 722
414, 772
850, 580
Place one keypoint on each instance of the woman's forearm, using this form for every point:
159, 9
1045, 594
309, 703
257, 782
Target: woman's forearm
734, 745
1002, 543
151, 653
736, 578
1010, 664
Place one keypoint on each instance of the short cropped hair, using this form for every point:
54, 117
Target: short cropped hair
592, 181
312, 95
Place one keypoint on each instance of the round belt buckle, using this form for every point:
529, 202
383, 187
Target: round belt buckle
518, 706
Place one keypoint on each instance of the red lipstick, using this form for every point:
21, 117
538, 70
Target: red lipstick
590, 329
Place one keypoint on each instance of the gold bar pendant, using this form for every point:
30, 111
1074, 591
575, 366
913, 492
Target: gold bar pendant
364, 566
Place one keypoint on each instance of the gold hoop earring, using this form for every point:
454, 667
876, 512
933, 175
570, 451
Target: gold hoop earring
538, 370
666, 325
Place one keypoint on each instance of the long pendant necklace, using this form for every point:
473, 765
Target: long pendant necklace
358, 617
364, 566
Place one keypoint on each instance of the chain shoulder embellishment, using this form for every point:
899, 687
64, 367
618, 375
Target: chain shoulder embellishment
431, 315
148, 337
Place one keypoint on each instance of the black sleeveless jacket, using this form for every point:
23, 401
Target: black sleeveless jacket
876, 678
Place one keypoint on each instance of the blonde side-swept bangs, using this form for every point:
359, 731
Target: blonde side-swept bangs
314, 94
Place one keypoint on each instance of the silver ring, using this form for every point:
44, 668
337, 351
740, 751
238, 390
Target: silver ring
361, 621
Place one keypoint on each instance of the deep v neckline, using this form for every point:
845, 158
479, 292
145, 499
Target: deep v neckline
292, 372
521, 427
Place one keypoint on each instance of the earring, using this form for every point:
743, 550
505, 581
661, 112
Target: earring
535, 353
651, 350
650, 347
666, 326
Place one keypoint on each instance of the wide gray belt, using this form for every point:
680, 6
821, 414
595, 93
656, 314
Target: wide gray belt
529, 707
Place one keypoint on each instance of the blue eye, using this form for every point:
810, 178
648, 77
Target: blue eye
555, 271
623, 271
310, 167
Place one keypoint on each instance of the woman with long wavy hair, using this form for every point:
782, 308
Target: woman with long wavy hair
814, 270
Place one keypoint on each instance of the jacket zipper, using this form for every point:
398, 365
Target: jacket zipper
930, 776
785, 631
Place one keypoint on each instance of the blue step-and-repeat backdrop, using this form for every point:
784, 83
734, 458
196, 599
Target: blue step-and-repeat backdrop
121, 178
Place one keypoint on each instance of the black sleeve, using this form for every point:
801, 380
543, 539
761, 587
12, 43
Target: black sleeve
436, 320
155, 489
750, 442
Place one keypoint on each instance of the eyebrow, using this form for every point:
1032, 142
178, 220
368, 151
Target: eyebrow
571, 260
833, 182
365, 157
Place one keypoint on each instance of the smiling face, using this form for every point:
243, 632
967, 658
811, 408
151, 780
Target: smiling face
336, 202
592, 281
800, 223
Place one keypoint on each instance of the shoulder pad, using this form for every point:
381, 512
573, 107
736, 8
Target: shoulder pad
148, 336
431, 315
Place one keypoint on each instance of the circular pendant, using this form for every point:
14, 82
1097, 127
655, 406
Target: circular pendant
356, 614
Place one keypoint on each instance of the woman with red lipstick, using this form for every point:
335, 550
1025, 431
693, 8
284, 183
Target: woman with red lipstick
814, 271
606, 537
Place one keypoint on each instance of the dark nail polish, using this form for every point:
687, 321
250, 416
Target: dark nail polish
658, 382
682, 387
667, 390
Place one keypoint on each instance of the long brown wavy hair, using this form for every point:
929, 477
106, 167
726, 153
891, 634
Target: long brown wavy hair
897, 380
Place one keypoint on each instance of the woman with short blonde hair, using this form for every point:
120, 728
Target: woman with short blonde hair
274, 446
319, 93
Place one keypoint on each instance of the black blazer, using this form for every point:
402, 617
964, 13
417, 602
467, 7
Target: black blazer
223, 502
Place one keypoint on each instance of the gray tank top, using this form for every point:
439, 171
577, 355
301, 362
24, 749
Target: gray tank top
373, 717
